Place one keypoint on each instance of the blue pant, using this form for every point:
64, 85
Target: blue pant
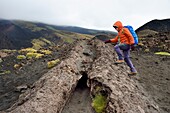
123, 52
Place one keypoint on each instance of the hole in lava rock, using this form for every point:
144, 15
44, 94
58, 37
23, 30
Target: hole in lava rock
80, 101
82, 83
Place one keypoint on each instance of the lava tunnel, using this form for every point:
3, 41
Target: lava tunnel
80, 101
82, 83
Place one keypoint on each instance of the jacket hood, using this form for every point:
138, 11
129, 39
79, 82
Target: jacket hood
119, 25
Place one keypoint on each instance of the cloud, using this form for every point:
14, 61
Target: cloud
96, 14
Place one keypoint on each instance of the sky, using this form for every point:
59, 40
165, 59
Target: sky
92, 14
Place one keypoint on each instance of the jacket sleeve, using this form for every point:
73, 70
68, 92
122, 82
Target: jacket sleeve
114, 40
129, 36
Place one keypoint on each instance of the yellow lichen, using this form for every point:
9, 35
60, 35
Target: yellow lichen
147, 50
38, 44
46, 52
27, 50
20, 57
8, 51
5, 72
163, 53
34, 55
17, 66
52, 63
47, 41
39, 55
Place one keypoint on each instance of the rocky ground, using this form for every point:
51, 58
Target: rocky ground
80, 101
19, 80
153, 76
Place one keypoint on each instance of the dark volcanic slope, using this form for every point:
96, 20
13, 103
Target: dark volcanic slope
156, 25
15, 34
24, 77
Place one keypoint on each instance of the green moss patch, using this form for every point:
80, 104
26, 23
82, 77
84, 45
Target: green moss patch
8, 51
46, 52
27, 50
29, 53
40, 43
34, 55
52, 63
20, 57
163, 53
5, 72
99, 103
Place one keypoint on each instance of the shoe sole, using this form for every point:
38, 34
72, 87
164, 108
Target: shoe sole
132, 74
118, 62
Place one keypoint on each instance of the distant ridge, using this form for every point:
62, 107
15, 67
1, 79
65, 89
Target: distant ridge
82, 30
16, 34
156, 25
67, 28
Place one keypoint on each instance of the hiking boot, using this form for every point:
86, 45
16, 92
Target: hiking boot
119, 62
132, 73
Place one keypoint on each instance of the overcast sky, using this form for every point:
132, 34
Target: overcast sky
94, 14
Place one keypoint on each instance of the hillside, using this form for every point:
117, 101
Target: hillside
15, 34
156, 25
154, 36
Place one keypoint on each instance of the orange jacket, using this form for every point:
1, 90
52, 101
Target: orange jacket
124, 35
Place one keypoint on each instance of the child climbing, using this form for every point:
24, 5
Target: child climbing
124, 41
